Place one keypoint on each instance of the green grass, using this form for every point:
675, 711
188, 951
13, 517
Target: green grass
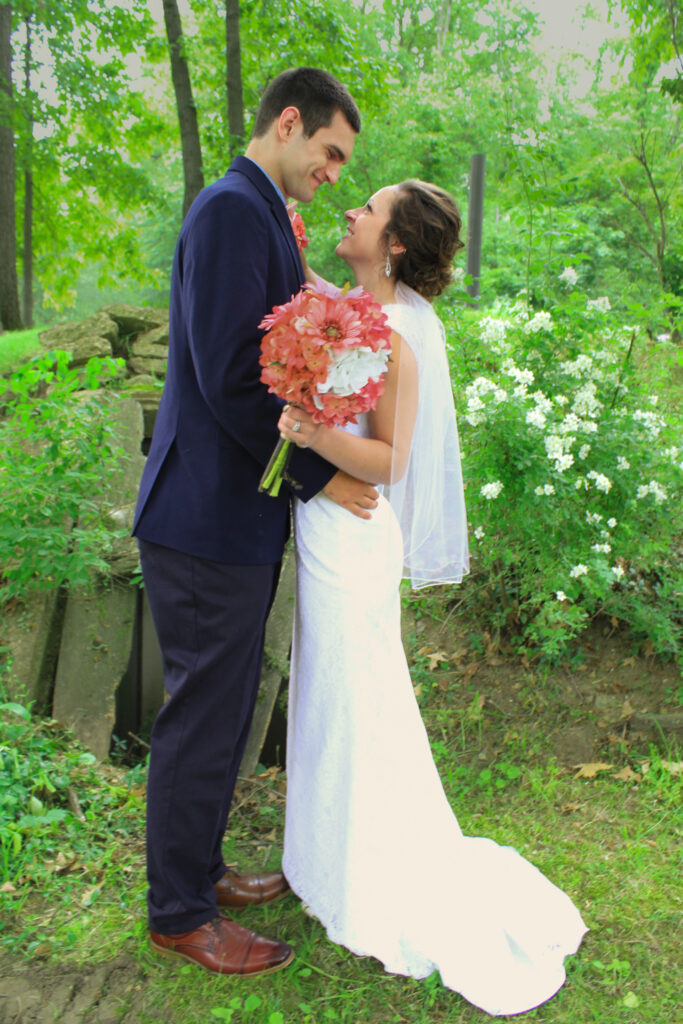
74, 891
16, 347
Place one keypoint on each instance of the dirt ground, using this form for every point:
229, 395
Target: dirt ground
601, 705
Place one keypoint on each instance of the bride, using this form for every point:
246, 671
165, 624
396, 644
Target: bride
371, 843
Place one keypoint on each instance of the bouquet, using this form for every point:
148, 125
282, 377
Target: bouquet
326, 351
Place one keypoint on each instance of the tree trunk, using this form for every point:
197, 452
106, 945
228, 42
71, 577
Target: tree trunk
10, 317
443, 25
187, 112
233, 76
27, 281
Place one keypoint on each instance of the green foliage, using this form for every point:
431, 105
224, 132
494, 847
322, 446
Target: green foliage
656, 40
80, 122
30, 789
60, 814
16, 347
572, 469
40, 768
58, 455
74, 894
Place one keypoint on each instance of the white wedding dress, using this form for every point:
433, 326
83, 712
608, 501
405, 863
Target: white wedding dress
371, 843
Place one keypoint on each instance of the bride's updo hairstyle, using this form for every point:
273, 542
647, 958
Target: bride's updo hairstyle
425, 219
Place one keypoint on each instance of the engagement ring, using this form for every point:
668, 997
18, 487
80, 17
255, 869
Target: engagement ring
297, 426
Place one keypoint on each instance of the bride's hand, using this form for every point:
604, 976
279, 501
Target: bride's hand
297, 426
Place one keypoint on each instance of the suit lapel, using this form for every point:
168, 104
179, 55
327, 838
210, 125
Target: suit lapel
261, 182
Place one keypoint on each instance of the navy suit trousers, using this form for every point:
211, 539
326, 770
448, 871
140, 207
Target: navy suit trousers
210, 619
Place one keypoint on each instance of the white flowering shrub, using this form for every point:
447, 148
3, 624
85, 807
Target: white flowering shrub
573, 473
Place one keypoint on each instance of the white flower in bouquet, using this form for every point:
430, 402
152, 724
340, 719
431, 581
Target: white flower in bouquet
350, 370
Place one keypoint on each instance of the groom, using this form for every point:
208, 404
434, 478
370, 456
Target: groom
210, 543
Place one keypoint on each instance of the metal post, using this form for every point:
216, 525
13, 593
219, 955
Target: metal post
475, 219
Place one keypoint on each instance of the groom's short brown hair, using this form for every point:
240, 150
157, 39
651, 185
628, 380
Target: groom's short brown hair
316, 94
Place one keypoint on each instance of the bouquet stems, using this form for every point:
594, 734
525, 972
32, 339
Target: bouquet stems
272, 475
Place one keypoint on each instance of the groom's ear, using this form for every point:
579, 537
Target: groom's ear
288, 122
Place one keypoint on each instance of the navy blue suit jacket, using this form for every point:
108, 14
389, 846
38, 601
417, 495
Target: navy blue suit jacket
236, 258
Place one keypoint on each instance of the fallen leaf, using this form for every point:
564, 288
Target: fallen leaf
7, 887
471, 669
629, 662
569, 808
628, 710
590, 770
417, 690
627, 775
673, 767
64, 866
436, 659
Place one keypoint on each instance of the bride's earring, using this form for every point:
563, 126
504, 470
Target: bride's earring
387, 266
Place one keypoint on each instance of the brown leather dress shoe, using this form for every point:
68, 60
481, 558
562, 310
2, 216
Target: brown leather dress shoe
224, 947
236, 890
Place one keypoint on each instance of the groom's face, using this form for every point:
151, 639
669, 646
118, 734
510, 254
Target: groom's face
308, 162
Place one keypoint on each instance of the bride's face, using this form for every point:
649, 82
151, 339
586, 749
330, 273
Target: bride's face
366, 224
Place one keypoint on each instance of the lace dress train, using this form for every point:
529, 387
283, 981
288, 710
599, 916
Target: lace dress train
371, 843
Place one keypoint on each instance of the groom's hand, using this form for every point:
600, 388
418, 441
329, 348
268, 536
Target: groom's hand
352, 494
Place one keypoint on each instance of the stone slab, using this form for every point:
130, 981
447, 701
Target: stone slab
134, 319
88, 347
275, 663
66, 335
144, 349
30, 634
157, 336
146, 364
97, 635
127, 420
97, 640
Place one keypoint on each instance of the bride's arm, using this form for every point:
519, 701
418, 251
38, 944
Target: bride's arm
381, 458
